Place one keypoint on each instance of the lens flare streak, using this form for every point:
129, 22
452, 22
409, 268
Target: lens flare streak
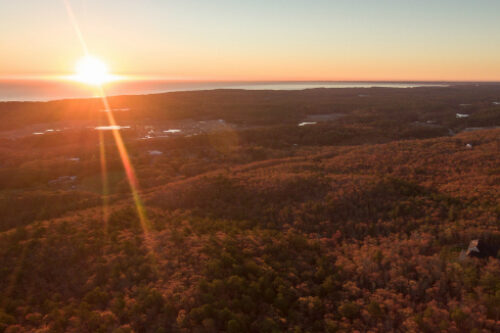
129, 169
124, 156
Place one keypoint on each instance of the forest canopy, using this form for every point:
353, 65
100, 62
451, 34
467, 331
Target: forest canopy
352, 222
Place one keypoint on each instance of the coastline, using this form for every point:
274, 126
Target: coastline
49, 90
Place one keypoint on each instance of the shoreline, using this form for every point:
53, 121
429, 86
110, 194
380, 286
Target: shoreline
48, 91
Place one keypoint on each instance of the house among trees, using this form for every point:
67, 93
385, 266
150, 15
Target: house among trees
480, 249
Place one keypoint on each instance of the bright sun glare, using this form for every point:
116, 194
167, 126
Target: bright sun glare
93, 71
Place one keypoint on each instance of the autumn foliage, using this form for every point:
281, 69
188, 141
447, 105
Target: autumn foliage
320, 229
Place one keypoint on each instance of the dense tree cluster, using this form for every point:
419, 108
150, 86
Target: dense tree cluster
341, 227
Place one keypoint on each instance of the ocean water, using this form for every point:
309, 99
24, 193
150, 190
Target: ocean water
45, 90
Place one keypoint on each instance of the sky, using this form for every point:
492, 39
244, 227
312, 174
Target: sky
423, 40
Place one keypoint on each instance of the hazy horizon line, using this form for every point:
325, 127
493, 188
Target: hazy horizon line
138, 78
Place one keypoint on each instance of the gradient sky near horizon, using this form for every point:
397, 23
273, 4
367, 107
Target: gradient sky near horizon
257, 39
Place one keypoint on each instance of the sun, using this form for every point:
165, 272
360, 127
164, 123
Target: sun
92, 71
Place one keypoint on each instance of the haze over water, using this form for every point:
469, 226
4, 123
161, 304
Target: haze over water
45, 90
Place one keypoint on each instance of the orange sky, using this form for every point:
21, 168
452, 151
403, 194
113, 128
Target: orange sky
257, 40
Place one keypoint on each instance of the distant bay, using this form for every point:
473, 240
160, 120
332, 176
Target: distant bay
45, 90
